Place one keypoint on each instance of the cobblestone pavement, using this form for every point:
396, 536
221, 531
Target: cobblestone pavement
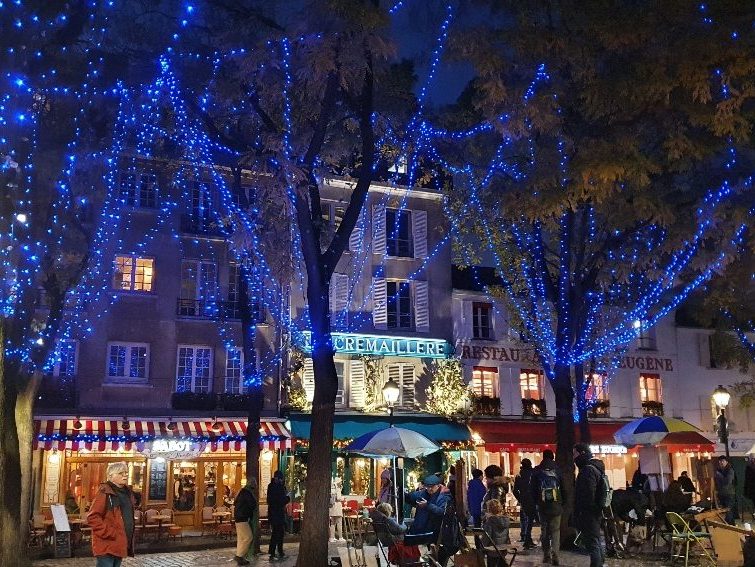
224, 558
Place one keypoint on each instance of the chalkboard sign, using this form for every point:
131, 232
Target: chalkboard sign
62, 545
158, 480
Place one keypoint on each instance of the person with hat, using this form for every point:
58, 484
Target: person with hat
726, 488
587, 510
276, 513
430, 502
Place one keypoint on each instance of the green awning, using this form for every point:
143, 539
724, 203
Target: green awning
350, 426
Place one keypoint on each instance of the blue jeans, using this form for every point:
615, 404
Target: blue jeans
526, 526
108, 561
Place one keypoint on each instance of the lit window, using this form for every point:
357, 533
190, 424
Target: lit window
399, 305
133, 273
139, 189
597, 389
194, 369
650, 388
398, 232
128, 361
484, 380
531, 384
482, 317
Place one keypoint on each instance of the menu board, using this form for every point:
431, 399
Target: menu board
62, 545
158, 479
50, 489
265, 476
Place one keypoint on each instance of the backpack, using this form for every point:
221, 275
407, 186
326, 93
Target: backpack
603, 492
550, 487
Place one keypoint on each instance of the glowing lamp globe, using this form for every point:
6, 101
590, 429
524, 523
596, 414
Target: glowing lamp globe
721, 397
391, 392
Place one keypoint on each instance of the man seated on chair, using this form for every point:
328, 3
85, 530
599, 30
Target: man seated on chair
431, 502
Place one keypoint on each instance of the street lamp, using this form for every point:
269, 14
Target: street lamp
721, 397
390, 394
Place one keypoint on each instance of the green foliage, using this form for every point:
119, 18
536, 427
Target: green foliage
373, 372
447, 393
297, 397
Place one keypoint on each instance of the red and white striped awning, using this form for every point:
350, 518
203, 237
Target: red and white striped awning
111, 435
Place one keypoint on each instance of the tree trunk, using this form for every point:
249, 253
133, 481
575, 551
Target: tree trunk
582, 403
25, 430
13, 533
313, 549
253, 424
562, 388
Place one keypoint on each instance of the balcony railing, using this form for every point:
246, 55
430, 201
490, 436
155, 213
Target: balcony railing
195, 224
209, 401
601, 408
486, 405
209, 309
533, 408
652, 408
57, 392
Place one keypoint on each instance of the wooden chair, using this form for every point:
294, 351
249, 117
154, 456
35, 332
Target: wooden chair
683, 537
208, 522
226, 530
168, 512
138, 525
150, 524
727, 543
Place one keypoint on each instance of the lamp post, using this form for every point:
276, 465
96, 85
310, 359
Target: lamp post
721, 397
390, 395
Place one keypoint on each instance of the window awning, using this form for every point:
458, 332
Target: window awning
512, 434
349, 426
110, 435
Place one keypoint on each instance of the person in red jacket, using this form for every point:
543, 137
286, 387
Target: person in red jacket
111, 518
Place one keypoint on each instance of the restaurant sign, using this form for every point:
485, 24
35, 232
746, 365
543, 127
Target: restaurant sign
352, 343
608, 449
172, 449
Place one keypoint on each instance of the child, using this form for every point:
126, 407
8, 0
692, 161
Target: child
496, 526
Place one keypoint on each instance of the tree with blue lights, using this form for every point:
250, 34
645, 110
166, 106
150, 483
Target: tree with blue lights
607, 179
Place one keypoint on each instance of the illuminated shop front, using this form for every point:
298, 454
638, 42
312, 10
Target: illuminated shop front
183, 465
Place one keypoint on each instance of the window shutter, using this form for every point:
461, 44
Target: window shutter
379, 304
378, 229
419, 230
394, 373
308, 379
421, 311
356, 240
407, 386
703, 340
356, 384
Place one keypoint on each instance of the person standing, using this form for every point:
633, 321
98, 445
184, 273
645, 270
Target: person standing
587, 509
726, 488
497, 487
244, 507
111, 518
276, 512
548, 493
475, 494
523, 495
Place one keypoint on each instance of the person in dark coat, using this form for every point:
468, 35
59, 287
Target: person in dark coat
497, 486
244, 508
276, 513
674, 499
685, 482
588, 513
523, 495
475, 494
431, 502
749, 487
545, 475
726, 488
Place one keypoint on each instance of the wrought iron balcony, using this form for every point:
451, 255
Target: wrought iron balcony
211, 309
196, 224
486, 405
209, 401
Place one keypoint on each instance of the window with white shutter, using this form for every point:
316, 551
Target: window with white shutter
341, 392
356, 240
403, 375
378, 229
356, 384
419, 232
308, 379
379, 303
421, 307
339, 297
398, 233
399, 304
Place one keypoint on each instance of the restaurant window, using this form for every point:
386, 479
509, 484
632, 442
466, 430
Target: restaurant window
482, 320
128, 361
133, 273
184, 486
597, 395
531, 387
210, 498
194, 369
398, 233
484, 379
84, 479
139, 189
651, 394
399, 304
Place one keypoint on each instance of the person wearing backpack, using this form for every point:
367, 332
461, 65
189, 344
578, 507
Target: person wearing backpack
548, 494
591, 496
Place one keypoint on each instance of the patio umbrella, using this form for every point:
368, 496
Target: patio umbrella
393, 442
658, 430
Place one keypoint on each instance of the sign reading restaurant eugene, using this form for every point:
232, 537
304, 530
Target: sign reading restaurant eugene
528, 355
352, 343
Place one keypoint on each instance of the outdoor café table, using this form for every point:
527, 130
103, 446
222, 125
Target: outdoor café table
160, 518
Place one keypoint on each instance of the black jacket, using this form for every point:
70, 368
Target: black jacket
276, 503
585, 491
523, 491
244, 506
549, 509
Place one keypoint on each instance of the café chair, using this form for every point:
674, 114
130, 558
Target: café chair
684, 540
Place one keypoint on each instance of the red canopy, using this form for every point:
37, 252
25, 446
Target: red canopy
518, 434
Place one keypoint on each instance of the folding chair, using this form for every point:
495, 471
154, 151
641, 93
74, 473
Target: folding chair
486, 544
682, 535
